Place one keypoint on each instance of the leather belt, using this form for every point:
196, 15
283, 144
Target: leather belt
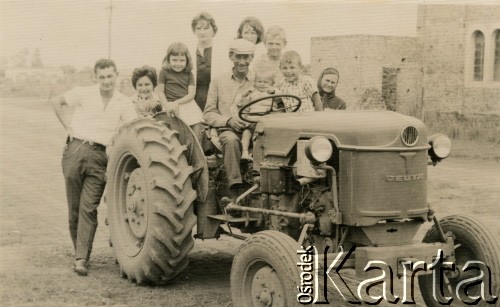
93, 144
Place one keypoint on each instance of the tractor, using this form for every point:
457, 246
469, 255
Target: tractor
337, 181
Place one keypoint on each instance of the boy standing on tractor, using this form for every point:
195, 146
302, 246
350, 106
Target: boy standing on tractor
98, 111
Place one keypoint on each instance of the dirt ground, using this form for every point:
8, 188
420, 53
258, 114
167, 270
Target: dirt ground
36, 251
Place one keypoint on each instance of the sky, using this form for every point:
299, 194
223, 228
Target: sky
76, 32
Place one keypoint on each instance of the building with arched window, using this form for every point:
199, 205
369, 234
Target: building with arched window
482, 54
478, 38
452, 65
496, 67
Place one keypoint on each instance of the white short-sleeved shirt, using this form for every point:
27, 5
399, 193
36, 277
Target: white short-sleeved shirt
91, 121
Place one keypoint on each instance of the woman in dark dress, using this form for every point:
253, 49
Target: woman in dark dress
204, 28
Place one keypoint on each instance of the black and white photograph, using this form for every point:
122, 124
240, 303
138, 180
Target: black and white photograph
249, 153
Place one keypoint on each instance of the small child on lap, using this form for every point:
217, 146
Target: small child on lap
263, 86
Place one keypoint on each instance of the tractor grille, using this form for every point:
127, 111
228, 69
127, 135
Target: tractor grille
409, 136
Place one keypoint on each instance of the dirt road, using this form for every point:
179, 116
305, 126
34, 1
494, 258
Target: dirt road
36, 251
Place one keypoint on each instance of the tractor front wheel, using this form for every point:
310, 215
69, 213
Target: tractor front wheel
265, 272
473, 242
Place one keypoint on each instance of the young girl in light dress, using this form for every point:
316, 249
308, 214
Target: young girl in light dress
176, 87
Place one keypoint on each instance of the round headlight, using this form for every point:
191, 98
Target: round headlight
319, 149
440, 146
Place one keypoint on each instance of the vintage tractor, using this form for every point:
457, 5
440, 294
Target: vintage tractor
339, 181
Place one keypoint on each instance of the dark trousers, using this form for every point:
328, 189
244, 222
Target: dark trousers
231, 150
84, 169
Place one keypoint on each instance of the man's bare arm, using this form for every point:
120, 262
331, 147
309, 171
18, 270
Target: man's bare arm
61, 107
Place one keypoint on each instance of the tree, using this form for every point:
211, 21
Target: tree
68, 69
20, 59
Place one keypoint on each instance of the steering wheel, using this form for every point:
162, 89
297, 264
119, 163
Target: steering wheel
277, 105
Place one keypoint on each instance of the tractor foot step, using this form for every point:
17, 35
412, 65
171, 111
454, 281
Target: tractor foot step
231, 219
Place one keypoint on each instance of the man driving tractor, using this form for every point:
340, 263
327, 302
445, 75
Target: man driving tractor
217, 113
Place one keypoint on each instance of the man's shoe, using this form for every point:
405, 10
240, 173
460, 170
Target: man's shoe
80, 267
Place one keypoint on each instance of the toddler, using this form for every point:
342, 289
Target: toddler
177, 89
295, 83
262, 87
145, 101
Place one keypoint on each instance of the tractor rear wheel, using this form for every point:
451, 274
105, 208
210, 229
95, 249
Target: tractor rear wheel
473, 241
265, 272
150, 198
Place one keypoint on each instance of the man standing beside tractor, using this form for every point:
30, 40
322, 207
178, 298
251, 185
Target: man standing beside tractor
98, 111
217, 113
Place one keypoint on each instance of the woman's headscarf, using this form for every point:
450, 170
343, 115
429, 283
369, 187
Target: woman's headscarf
327, 71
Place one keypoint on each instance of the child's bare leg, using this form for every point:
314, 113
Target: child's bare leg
198, 131
245, 144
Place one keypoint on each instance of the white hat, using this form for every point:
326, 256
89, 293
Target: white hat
241, 46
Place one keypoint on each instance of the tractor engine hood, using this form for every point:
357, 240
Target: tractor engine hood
277, 133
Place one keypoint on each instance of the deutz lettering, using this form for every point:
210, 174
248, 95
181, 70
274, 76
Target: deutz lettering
401, 178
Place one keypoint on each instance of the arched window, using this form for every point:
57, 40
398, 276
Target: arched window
478, 56
496, 67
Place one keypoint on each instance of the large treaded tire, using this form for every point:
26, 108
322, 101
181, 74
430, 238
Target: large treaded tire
150, 200
473, 241
268, 250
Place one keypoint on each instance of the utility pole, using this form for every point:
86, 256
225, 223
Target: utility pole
109, 27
